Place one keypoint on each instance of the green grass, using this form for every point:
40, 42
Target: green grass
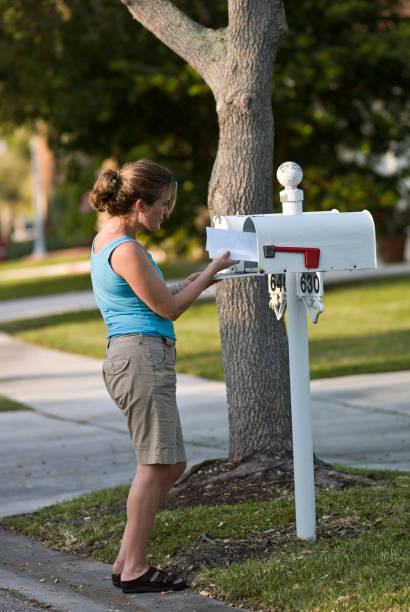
49, 260
359, 562
30, 287
9, 405
364, 329
63, 283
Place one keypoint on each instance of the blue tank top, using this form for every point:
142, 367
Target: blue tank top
122, 310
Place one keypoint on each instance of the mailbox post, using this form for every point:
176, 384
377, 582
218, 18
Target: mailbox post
289, 175
298, 247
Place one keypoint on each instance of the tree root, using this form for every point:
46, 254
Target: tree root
325, 475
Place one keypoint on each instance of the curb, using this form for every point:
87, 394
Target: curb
78, 584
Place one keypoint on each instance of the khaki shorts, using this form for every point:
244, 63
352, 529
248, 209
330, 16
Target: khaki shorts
140, 377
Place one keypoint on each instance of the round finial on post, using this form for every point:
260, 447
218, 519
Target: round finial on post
289, 174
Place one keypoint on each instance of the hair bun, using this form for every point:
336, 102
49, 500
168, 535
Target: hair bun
103, 194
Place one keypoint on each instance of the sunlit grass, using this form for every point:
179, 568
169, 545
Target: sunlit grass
49, 259
31, 287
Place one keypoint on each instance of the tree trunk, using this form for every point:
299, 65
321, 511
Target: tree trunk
237, 63
254, 344
255, 355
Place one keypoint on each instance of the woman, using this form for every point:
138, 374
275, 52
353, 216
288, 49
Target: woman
138, 309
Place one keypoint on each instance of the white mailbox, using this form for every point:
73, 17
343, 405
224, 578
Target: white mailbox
312, 241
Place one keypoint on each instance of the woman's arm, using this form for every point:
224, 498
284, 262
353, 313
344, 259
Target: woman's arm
130, 261
184, 283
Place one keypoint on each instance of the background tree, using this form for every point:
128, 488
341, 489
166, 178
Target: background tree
15, 180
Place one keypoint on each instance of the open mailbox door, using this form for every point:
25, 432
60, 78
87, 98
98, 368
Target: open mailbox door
312, 241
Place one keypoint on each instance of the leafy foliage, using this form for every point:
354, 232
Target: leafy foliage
15, 184
340, 99
106, 86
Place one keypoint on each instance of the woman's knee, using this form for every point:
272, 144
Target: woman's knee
162, 471
178, 470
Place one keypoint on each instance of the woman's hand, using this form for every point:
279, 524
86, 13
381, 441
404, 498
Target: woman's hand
222, 261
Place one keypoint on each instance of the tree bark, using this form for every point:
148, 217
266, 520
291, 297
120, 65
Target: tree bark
254, 344
237, 63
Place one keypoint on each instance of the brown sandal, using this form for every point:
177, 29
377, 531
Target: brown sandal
153, 581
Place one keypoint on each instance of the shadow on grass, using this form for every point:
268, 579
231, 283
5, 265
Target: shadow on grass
360, 354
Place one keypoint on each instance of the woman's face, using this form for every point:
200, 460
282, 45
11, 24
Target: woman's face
153, 215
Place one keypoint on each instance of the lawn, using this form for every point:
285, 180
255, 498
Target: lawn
359, 562
51, 258
9, 405
35, 286
365, 329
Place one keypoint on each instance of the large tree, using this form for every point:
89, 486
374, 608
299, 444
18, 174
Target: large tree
237, 63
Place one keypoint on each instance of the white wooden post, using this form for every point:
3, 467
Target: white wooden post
289, 175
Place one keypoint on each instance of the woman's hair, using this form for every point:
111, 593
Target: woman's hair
115, 191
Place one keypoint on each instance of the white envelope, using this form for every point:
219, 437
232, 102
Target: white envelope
241, 245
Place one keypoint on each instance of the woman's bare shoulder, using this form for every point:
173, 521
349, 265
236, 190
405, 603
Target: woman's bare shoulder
101, 240
128, 254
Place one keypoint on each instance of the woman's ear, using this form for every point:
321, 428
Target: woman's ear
140, 205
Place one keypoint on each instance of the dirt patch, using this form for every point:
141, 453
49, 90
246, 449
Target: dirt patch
220, 481
262, 545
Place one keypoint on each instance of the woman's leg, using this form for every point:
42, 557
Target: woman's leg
147, 493
175, 471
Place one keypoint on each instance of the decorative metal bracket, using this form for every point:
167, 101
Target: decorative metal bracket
314, 306
277, 292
